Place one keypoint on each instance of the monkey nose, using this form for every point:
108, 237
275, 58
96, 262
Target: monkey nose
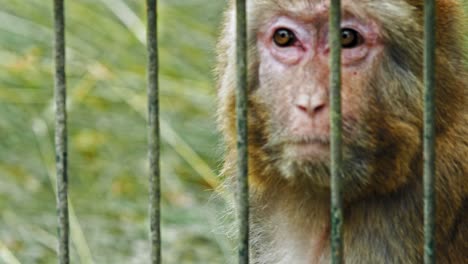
311, 104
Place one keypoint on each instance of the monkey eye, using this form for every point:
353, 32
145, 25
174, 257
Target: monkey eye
350, 38
284, 37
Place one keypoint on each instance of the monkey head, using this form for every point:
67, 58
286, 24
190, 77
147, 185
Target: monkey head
289, 92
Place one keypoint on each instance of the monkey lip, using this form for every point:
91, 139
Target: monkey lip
309, 140
308, 148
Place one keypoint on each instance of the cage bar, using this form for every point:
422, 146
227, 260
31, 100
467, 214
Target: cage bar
153, 132
429, 131
61, 133
336, 129
242, 152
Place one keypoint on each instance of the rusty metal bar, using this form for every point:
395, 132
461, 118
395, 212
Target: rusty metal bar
61, 133
429, 131
153, 132
336, 131
242, 143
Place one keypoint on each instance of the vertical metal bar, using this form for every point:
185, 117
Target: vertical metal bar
153, 132
335, 119
429, 131
242, 143
61, 133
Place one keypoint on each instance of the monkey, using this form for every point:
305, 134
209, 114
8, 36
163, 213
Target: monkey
382, 110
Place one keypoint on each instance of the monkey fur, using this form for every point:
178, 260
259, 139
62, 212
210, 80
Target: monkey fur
382, 104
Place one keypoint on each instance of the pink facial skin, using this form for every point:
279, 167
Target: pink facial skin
294, 80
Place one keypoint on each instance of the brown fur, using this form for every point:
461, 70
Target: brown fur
382, 161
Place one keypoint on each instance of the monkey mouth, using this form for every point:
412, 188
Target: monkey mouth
308, 148
306, 140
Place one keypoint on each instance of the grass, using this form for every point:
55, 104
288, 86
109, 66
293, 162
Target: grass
107, 132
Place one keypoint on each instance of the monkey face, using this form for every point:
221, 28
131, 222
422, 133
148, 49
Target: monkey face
293, 83
294, 79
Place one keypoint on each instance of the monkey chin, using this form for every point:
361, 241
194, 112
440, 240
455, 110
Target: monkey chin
306, 161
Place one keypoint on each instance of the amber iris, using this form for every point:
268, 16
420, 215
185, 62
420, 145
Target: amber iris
284, 37
350, 38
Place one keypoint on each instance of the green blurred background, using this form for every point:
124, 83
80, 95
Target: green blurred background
108, 173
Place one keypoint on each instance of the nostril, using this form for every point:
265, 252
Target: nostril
302, 108
319, 108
